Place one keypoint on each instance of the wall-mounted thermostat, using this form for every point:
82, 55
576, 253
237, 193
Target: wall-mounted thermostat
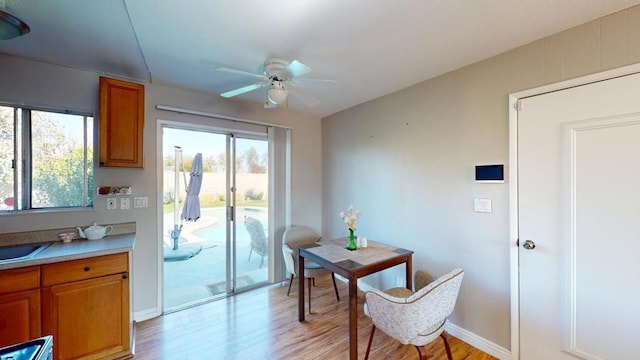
490, 173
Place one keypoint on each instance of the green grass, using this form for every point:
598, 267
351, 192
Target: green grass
210, 201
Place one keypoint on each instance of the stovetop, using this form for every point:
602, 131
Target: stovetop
36, 349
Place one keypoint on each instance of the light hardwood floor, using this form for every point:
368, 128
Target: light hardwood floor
263, 324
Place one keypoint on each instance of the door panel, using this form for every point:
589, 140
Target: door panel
251, 226
578, 172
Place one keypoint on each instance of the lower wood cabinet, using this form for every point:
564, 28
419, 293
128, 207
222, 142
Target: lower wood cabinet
19, 317
85, 306
83, 303
88, 319
19, 305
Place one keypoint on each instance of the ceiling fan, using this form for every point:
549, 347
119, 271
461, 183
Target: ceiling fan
281, 78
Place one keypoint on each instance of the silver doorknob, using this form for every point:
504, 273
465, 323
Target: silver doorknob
529, 245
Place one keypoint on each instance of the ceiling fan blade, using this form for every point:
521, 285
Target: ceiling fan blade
242, 90
306, 99
317, 83
296, 68
239, 72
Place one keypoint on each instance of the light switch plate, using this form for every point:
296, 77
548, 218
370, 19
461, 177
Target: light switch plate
482, 205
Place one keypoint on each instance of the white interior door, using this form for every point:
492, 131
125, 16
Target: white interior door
578, 197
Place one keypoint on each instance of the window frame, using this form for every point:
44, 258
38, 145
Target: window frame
22, 164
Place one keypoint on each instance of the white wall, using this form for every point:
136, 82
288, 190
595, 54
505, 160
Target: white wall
407, 161
51, 86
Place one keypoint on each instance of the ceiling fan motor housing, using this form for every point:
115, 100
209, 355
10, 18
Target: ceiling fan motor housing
273, 69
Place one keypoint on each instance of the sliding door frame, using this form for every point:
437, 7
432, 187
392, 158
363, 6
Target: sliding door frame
275, 263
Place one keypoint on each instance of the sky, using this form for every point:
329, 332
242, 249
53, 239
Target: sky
70, 124
193, 142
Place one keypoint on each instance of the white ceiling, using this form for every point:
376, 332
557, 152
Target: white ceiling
371, 47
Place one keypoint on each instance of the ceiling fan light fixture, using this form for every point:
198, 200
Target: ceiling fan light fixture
278, 81
276, 96
11, 26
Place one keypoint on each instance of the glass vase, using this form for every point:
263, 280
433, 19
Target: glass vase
352, 241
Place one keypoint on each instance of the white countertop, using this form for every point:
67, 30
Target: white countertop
76, 249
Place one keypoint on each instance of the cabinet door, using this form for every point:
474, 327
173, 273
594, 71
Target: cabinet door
19, 317
121, 123
88, 319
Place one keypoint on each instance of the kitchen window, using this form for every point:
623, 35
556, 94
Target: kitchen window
46, 159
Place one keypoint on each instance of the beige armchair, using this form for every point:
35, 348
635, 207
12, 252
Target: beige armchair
292, 238
416, 319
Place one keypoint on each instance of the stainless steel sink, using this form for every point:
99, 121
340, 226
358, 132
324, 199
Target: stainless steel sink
20, 252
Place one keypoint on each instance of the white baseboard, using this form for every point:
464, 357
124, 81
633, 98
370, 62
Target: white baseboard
140, 316
478, 342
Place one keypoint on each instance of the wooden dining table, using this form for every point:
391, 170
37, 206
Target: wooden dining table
333, 255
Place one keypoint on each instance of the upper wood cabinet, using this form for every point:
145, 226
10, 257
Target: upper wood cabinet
121, 123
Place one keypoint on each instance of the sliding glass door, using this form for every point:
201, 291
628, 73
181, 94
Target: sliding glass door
226, 249
250, 183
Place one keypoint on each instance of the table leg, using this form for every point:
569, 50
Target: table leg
353, 318
300, 288
409, 269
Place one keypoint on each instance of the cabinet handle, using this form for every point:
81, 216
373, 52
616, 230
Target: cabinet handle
86, 268
125, 276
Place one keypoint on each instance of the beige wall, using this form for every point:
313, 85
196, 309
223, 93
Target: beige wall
407, 161
52, 86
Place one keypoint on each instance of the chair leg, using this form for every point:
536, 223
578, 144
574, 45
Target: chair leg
309, 294
250, 251
261, 262
290, 282
422, 352
446, 345
373, 330
333, 277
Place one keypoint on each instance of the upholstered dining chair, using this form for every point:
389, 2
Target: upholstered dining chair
415, 318
258, 237
291, 239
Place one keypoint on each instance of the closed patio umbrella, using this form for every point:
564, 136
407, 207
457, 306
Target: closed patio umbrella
191, 208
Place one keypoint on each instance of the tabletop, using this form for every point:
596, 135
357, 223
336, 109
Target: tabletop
361, 262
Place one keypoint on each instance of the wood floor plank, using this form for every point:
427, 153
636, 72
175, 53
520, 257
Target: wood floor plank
262, 324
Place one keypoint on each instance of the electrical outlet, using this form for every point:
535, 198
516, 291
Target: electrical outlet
125, 203
111, 204
400, 281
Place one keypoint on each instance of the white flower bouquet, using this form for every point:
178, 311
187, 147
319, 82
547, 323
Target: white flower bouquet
350, 217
